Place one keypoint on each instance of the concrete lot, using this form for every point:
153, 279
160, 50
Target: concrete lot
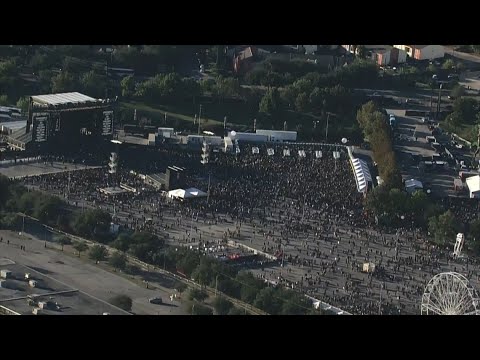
414, 141
39, 168
78, 273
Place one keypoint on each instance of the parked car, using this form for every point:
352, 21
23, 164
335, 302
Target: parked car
156, 301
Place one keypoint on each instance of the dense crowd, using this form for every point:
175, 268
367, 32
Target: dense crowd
306, 211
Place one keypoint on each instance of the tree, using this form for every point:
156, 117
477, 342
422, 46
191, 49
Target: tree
98, 253
199, 309
180, 286
123, 302
4, 100
301, 102
93, 224
449, 64
93, 84
457, 91
64, 82
122, 242
222, 306
128, 86
361, 51
250, 286
474, 236
268, 301
466, 108
80, 246
236, 311
197, 294
23, 103
118, 261
443, 228
270, 102
63, 240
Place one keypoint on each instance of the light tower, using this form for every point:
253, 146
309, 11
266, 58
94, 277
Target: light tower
205, 153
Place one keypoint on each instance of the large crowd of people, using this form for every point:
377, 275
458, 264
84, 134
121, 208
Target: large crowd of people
305, 210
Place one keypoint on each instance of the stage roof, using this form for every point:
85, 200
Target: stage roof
65, 98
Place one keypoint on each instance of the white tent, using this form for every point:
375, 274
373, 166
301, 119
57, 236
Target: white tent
362, 174
473, 183
411, 185
186, 194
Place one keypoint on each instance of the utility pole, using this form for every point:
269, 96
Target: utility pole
326, 128
439, 100
199, 118
208, 190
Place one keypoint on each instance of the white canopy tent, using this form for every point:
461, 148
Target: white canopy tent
190, 193
473, 183
362, 174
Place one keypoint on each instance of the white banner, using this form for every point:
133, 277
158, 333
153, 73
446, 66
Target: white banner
318, 154
302, 153
286, 152
255, 150
270, 152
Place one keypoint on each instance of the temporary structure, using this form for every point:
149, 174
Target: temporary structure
473, 183
411, 185
186, 193
362, 174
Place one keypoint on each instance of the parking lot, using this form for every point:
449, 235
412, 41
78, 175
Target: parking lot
413, 147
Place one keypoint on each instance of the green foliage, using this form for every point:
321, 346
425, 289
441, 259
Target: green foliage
11, 221
270, 102
123, 302
267, 300
449, 64
64, 82
23, 103
4, 190
93, 224
250, 286
457, 91
197, 294
236, 311
118, 261
465, 110
93, 84
180, 286
63, 240
301, 102
98, 253
122, 242
376, 130
199, 309
473, 238
80, 246
145, 245
4, 101
128, 86
443, 228
222, 306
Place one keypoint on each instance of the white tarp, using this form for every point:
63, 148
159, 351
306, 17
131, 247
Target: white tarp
186, 194
473, 183
362, 174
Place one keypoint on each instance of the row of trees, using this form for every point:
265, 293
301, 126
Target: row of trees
444, 227
242, 285
377, 131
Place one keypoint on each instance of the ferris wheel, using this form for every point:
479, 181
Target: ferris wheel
449, 293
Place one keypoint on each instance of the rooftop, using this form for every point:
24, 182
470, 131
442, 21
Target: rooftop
65, 98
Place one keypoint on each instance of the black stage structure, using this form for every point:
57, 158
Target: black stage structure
66, 123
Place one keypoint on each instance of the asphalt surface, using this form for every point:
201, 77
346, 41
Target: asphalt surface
83, 275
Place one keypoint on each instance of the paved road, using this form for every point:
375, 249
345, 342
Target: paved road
463, 56
84, 275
